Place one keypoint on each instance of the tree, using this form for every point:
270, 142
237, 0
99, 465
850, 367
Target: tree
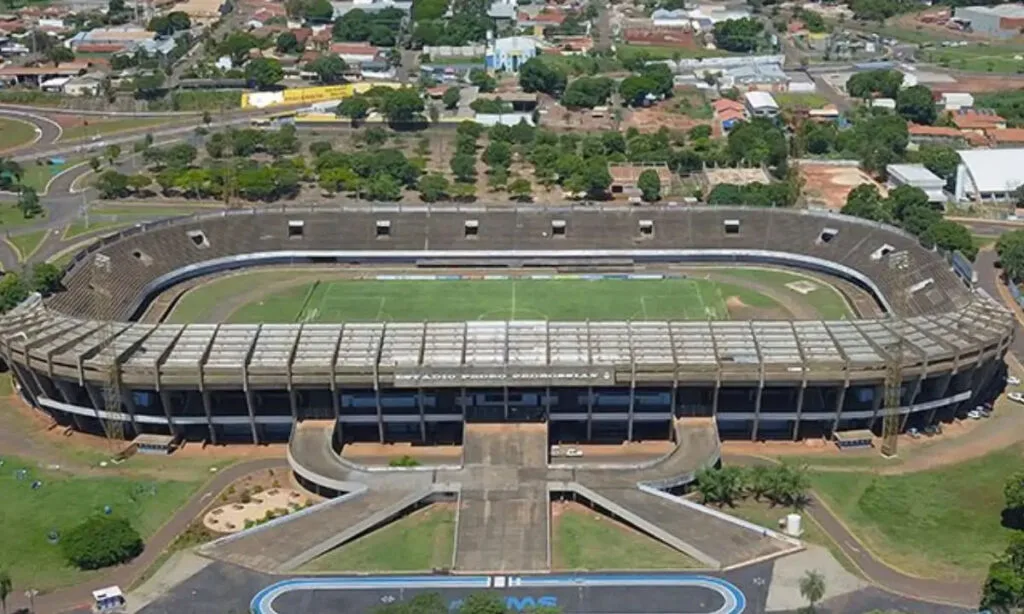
464, 192
464, 167
916, 105
5, 588
433, 187
1013, 491
287, 42
354, 107
112, 184
757, 142
865, 202
149, 86
739, 35
634, 89
451, 97
318, 148
319, 11
113, 152
13, 290
1010, 248
46, 278
483, 80
941, 160
951, 236
28, 202
498, 155
402, 106
58, 54
328, 68
521, 190
650, 186
383, 187
588, 92
536, 75
885, 83
759, 480
95, 163
788, 485
263, 72
720, 486
101, 541
812, 587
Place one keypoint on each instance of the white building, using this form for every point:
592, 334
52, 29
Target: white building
916, 175
954, 101
509, 53
988, 174
760, 104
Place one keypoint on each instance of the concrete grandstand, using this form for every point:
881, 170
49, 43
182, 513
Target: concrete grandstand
423, 381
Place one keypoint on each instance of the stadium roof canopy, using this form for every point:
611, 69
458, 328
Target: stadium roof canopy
994, 170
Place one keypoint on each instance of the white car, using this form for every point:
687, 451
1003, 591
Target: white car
1016, 396
1013, 380
574, 453
974, 414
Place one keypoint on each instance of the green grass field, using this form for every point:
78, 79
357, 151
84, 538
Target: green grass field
27, 243
348, 301
111, 126
584, 539
14, 133
945, 522
420, 541
62, 502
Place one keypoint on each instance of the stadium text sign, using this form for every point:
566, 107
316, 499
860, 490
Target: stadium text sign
504, 377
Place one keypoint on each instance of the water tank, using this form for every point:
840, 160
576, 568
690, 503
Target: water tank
793, 525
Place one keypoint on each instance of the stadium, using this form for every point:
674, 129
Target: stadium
104, 351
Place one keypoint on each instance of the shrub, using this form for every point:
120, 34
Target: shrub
245, 497
404, 461
101, 541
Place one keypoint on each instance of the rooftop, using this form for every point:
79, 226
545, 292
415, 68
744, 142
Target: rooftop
994, 170
760, 100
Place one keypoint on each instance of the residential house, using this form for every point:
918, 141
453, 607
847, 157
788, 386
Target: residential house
355, 53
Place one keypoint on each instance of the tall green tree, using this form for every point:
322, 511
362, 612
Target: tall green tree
263, 72
721, 486
916, 105
536, 75
5, 588
650, 186
812, 587
28, 202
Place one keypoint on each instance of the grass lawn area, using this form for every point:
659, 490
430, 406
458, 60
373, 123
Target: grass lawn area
585, 539
983, 241
196, 303
627, 52
27, 243
80, 227
38, 175
789, 100
64, 501
825, 299
15, 133
762, 513
979, 58
420, 541
522, 299
944, 522
111, 126
11, 217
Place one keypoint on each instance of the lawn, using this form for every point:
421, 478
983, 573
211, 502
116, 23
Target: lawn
27, 243
626, 52
37, 176
939, 523
421, 541
978, 58
61, 503
521, 299
825, 299
79, 227
584, 539
111, 126
983, 241
197, 303
11, 217
15, 133
788, 100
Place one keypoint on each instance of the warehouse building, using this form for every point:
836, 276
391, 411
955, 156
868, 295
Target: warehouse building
1002, 21
988, 174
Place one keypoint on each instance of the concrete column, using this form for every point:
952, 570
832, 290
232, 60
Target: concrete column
335, 401
26, 384
96, 397
590, 413
165, 400
293, 404
380, 413
799, 411
632, 400
714, 400
877, 405
129, 403
840, 399
252, 416
209, 416
423, 417
63, 388
757, 411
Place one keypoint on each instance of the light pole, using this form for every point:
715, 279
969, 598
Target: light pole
30, 594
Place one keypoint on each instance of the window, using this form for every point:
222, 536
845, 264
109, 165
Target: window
470, 229
383, 229
198, 238
142, 257
296, 228
646, 228
827, 234
558, 228
732, 227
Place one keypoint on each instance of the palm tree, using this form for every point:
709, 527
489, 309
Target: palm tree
812, 587
5, 589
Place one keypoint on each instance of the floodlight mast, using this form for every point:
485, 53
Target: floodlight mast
103, 310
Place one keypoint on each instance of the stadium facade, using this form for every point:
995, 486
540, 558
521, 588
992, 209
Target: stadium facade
421, 381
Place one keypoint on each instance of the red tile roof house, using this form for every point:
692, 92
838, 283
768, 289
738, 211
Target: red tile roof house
1007, 136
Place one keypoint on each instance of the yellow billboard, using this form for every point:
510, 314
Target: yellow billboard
308, 95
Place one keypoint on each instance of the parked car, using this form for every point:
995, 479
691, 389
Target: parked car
574, 453
914, 433
1016, 396
974, 414
1013, 380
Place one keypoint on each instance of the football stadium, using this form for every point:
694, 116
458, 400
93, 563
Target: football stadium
599, 322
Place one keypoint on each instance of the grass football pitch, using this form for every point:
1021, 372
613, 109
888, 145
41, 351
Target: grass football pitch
416, 300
